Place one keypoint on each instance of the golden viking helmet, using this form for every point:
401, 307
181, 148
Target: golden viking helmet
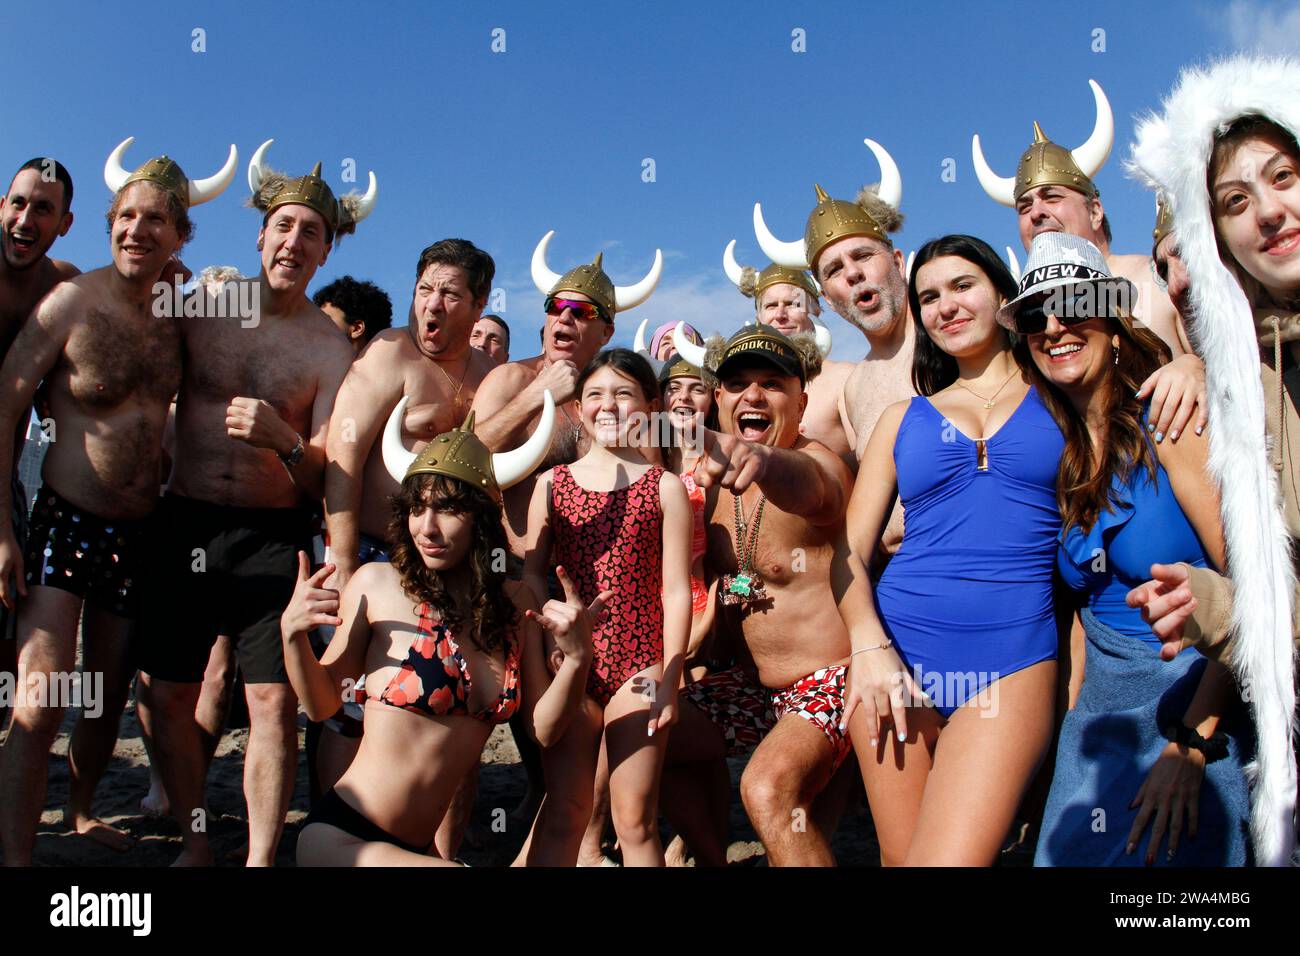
1164, 221
165, 172
313, 192
460, 454
752, 284
833, 219
1045, 163
590, 280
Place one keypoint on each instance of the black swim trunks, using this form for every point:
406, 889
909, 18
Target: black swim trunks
219, 570
98, 559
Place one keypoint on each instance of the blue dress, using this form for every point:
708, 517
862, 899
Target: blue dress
1112, 738
968, 597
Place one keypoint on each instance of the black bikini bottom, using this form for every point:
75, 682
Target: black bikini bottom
335, 811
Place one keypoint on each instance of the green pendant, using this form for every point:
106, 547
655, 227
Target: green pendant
740, 585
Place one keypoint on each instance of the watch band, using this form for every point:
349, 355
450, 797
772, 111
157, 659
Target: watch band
295, 455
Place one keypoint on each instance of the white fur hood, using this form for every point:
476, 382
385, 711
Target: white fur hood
1171, 154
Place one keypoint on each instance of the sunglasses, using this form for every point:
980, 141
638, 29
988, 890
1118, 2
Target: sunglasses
1071, 310
582, 311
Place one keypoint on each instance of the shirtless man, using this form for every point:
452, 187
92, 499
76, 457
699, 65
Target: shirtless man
251, 420
1053, 191
771, 529
492, 335
431, 363
35, 212
787, 300
108, 367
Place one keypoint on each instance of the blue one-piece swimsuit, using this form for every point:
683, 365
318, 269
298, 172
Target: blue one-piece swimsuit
968, 597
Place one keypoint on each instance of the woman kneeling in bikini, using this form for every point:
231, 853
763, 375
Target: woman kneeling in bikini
453, 644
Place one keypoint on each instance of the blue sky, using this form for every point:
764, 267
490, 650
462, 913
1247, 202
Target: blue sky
553, 132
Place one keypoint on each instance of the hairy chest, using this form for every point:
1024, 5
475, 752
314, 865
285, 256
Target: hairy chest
112, 358
225, 360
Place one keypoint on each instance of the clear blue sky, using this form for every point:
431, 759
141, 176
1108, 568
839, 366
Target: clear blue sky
552, 133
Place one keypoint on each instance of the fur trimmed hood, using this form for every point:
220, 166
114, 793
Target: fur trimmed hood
1171, 154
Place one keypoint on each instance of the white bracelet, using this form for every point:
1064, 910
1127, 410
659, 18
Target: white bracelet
874, 647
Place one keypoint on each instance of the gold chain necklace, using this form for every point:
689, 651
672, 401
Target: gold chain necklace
455, 397
988, 402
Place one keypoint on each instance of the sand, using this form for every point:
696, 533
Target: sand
501, 785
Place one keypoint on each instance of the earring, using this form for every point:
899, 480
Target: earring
1115, 350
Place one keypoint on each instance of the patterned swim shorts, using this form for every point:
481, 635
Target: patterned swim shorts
745, 710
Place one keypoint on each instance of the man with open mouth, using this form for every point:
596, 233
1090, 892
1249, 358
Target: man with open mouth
772, 523
248, 461
35, 212
107, 368
787, 300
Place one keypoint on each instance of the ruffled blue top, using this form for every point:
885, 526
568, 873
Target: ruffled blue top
1145, 526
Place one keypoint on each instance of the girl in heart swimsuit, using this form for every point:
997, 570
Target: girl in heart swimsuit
621, 524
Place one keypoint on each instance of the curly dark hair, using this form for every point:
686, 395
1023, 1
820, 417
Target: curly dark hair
358, 300
493, 611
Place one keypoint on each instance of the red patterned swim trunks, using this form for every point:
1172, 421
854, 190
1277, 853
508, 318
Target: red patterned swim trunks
745, 710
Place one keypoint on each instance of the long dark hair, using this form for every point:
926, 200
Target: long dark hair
933, 369
1083, 485
492, 609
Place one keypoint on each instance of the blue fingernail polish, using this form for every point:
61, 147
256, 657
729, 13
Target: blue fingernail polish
1160, 436
1199, 429
1151, 426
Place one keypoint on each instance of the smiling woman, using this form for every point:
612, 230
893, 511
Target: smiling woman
1164, 738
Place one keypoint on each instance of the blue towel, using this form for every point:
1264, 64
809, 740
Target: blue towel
1109, 743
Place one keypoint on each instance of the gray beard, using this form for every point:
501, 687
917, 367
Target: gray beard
889, 312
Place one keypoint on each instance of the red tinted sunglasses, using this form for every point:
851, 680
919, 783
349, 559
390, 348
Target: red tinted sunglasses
582, 311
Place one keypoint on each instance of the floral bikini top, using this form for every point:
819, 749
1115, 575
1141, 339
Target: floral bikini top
435, 680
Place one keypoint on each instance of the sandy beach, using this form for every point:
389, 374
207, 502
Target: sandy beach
501, 785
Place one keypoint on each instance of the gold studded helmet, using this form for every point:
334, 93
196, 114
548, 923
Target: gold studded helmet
1164, 221
874, 214
165, 172
460, 454
590, 280
1045, 163
272, 189
752, 283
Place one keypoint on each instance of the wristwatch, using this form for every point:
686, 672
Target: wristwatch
295, 454
1214, 748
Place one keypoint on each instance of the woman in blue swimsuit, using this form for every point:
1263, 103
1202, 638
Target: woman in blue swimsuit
1146, 744
959, 646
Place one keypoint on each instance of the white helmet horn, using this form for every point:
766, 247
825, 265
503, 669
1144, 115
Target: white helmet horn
891, 181
788, 254
630, 296
686, 348
397, 459
1013, 264
1000, 189
543, 277
114, 174
729, 264
256, 165
202, 190
638, 343
512, 467
366, 204
1092, 154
